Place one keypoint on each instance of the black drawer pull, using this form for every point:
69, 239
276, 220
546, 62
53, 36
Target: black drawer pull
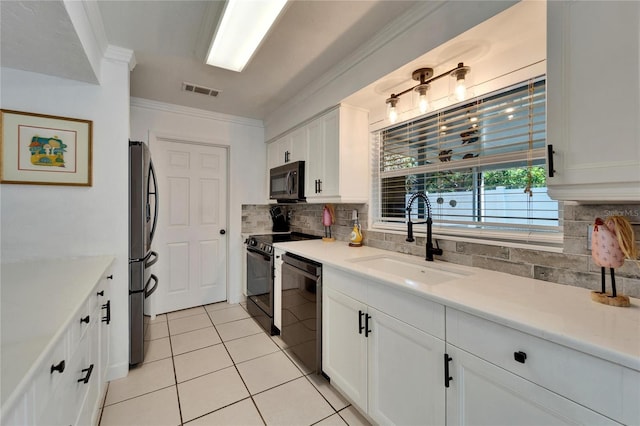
107, 317
59, 368
447, 377
85, 379
520, 356
366, 325
100, 293
110, 277
550, 152
85, 320
360, 326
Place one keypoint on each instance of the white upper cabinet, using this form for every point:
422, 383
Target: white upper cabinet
288, 148
335, 148
593, 100
338, 153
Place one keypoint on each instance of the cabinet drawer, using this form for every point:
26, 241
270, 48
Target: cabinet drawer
421, 313
46, 381
605, 387
82, 321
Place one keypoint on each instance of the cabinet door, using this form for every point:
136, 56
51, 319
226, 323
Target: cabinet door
481, 393
330, 173
592, 114
315, 159
323, 156
279, 152
406, 373
344, 347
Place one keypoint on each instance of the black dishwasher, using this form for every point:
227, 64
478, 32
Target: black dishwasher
301, 327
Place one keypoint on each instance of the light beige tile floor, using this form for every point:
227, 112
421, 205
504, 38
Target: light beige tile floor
213, 365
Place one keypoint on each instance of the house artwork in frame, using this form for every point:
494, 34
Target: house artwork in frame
44, 149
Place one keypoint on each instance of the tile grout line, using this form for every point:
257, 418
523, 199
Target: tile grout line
175, 376
241, 378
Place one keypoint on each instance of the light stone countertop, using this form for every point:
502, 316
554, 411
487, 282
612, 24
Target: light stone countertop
562, 314
38, 301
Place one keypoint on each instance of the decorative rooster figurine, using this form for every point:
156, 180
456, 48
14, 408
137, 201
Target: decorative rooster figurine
328, 219
612, 241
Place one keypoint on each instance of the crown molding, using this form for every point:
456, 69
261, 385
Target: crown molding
195, 112
120, 54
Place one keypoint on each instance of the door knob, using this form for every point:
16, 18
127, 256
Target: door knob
222, 232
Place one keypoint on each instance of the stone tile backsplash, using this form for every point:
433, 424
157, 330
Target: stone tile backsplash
574, 266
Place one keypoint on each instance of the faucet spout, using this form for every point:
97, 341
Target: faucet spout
430, 249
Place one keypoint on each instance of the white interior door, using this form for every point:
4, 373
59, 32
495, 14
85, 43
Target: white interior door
192, 224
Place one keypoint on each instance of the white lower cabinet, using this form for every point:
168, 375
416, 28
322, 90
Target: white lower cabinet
69, 384
385, 350
344, 348
389, 369
406, 373
510, 377
481, 393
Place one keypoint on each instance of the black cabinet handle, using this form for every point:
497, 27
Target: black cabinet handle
520, 356
366, 325
110, 277
100, 293
286, 156
85, 320
447, 377
360, 326
107, 317
319, 186
85, 379
59, 368
550, 153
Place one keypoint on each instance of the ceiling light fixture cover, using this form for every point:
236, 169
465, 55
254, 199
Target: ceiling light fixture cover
242, 28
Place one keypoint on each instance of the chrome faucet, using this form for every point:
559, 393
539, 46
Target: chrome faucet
430, 249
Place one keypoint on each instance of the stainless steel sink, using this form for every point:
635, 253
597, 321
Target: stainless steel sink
410, 270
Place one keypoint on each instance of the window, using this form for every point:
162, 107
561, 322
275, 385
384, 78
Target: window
482, 165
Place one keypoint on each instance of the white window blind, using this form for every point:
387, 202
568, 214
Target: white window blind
482, 165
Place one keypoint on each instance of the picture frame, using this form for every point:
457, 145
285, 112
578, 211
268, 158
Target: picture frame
39, 149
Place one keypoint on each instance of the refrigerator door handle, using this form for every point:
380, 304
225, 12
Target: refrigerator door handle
148, 292
152, 175
151, 259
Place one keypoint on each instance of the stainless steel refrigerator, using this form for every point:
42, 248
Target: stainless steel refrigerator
143, 218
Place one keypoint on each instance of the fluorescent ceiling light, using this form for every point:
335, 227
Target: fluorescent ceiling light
243, 25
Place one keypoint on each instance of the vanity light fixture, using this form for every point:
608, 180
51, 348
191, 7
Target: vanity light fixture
425, 77
240, 31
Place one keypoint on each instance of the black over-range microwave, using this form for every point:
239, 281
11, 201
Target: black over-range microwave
286, 183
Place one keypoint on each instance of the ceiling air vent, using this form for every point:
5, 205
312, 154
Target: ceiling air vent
190, 87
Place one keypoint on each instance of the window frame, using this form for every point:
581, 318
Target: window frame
546, 238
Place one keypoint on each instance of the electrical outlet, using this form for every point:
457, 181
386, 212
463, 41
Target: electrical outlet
589, 235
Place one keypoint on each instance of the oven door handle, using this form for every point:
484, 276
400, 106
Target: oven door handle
255, 253
301, 272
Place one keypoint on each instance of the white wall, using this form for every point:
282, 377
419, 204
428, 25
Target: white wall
83, 221
247, 168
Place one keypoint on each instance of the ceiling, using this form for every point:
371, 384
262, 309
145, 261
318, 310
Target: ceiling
170, 39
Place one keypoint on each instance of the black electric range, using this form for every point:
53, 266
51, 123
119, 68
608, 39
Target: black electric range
260, 275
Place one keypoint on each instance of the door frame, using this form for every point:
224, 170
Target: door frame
158, 136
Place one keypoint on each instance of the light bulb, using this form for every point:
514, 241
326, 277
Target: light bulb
423, 103
461, 89
423, 97
458, 87
393, 114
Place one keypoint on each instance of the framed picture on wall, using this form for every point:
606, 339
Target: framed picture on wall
38, 149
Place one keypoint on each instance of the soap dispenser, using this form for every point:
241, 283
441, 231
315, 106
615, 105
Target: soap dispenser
355, 240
